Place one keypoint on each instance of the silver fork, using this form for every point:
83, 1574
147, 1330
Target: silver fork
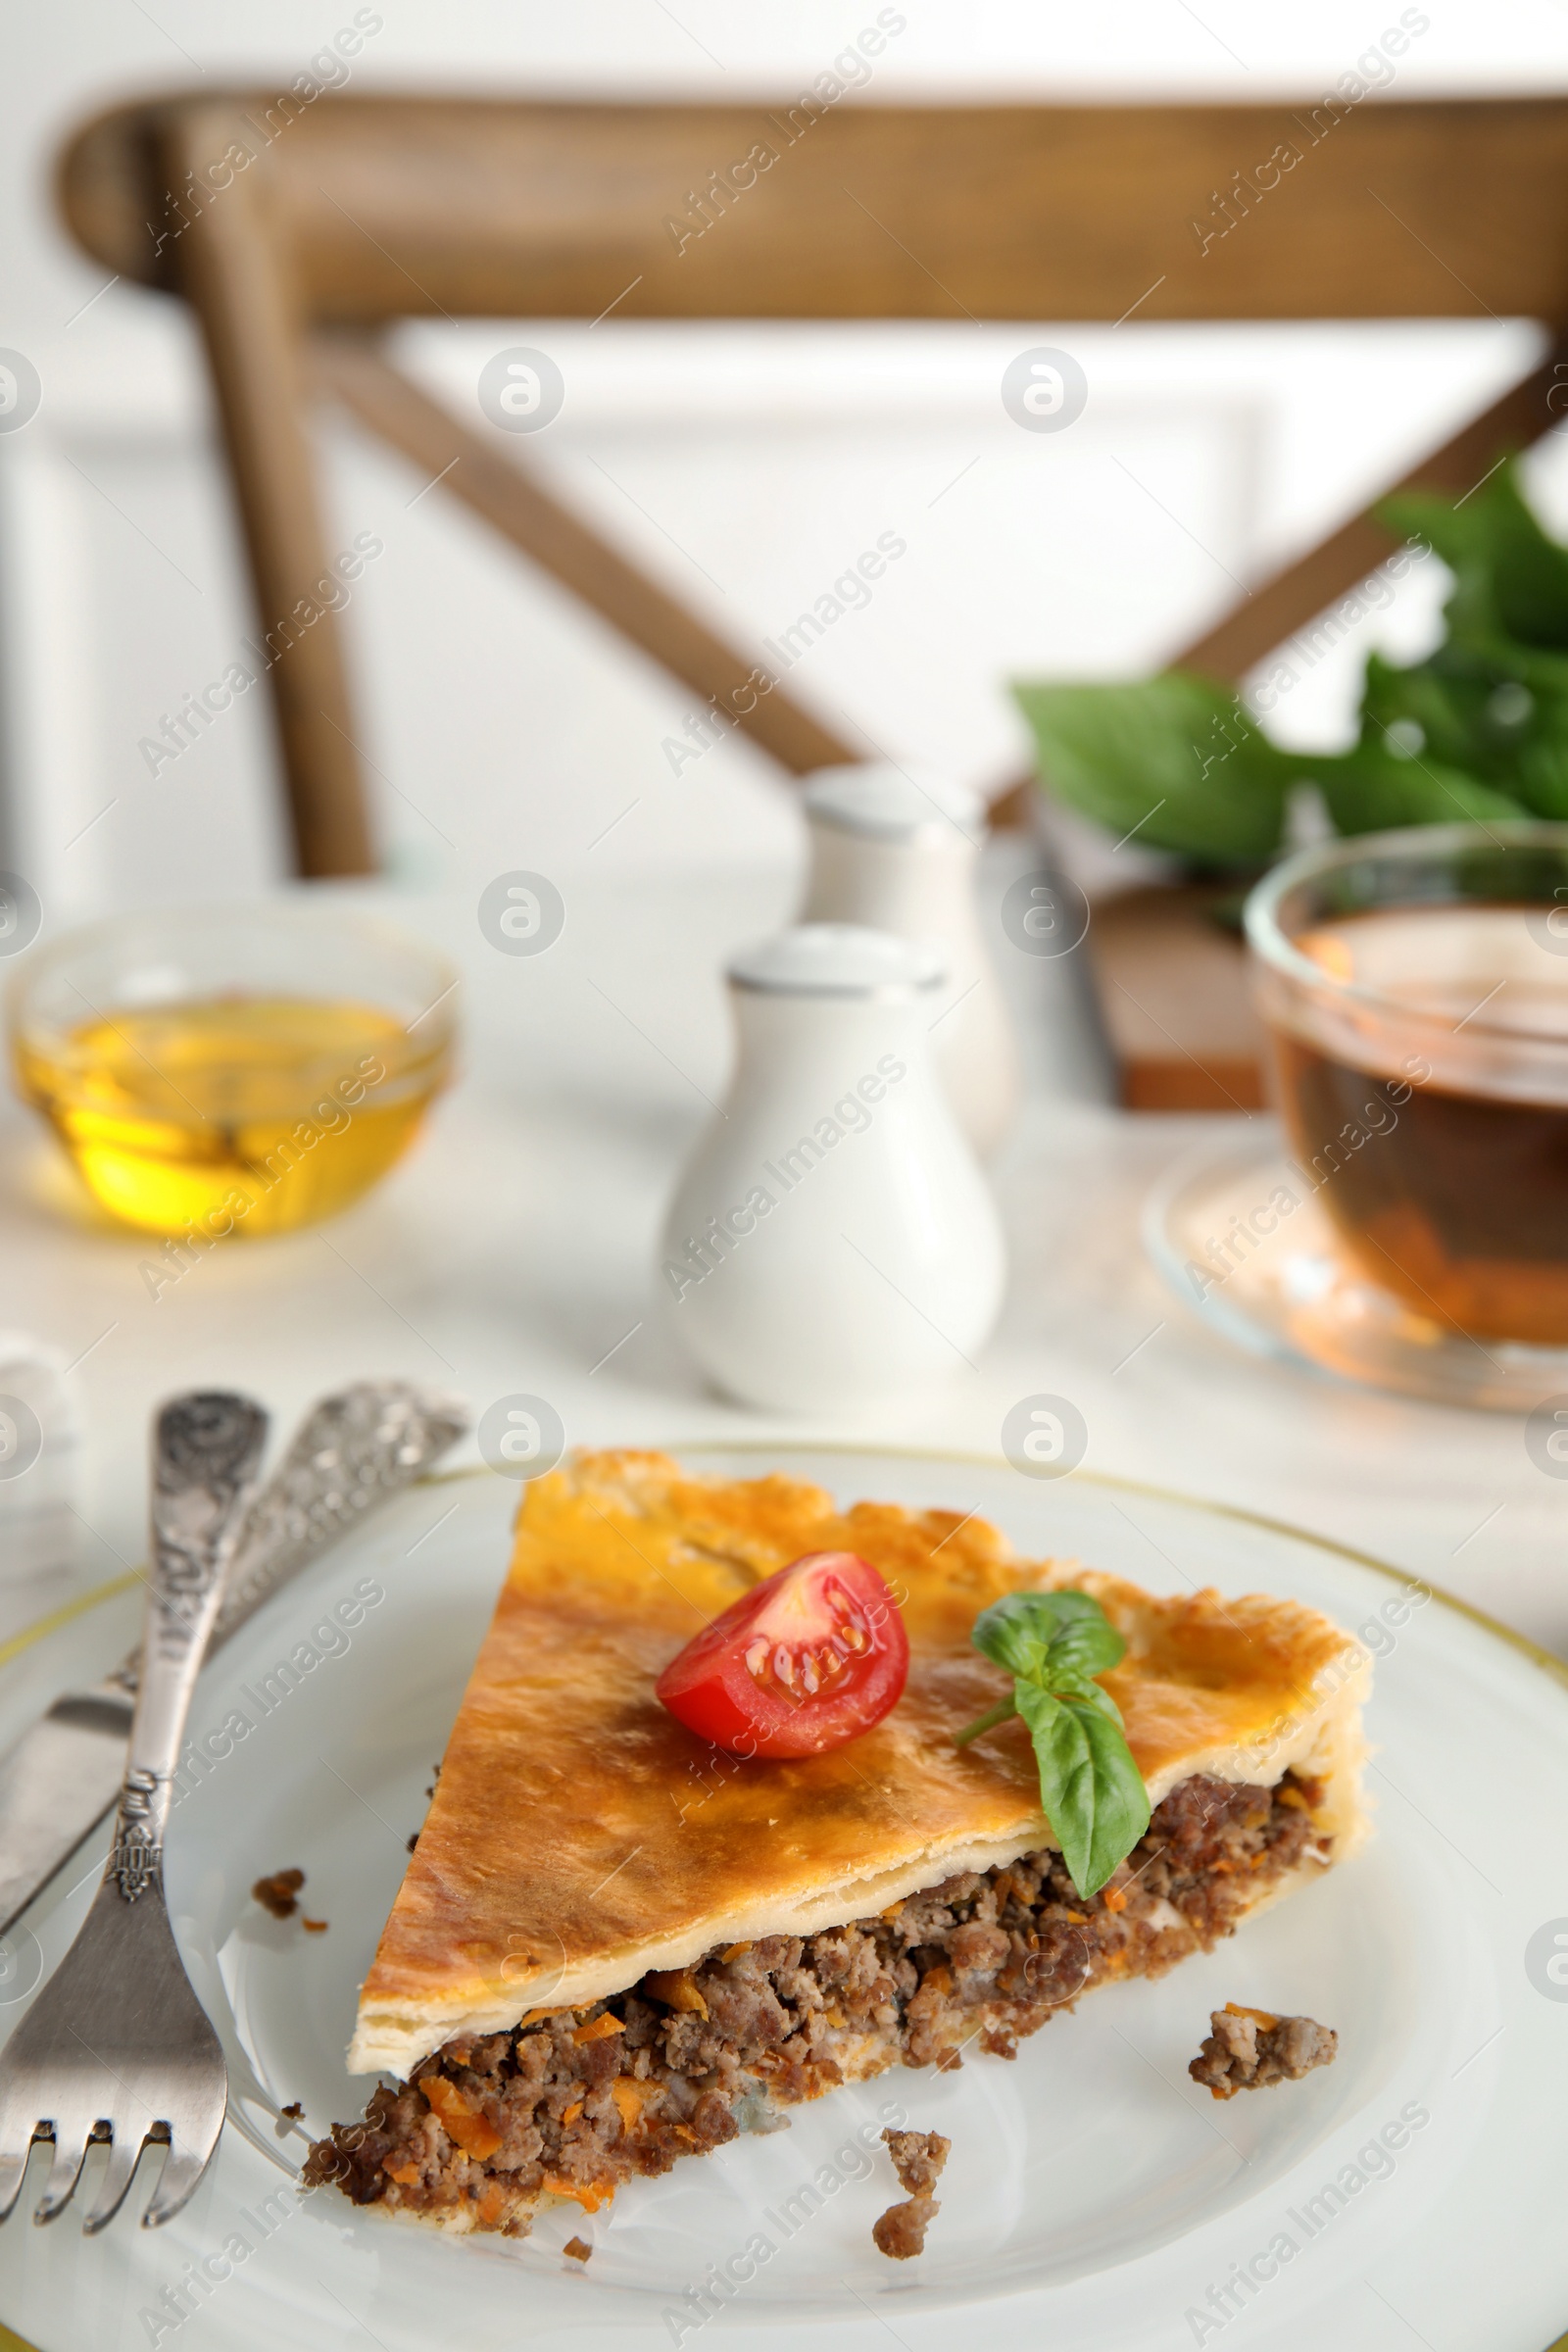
116, 2046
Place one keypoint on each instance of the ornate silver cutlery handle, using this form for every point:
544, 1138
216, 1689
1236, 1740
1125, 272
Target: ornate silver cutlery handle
353, 1450
207, 1452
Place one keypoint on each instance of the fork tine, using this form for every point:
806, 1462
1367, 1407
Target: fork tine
123, 2157
182, 2169
13, 2165
71, 2153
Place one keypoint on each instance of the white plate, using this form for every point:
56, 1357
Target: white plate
1095, 2197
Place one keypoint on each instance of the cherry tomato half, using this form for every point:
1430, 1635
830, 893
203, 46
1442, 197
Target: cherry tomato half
809, 1658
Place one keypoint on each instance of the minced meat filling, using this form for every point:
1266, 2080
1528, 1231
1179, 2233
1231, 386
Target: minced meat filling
578, 2102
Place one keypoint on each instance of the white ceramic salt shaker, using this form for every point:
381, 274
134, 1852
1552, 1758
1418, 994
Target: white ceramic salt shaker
897, 848
832, 1244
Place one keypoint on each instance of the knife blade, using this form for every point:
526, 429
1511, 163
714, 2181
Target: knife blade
352, 1452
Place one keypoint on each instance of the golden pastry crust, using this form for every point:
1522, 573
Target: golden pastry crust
580, 1836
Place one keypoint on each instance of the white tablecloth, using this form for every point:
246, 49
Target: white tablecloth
513, 1251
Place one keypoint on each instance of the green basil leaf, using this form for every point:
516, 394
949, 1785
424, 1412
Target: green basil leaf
1541, 776
1477, 732
1175, 756
1068, 1684
1088, 1645
1370, 790
1014, 1633
1447, 703
1476, 709
1091, 1790
1503, 561
1018, 1631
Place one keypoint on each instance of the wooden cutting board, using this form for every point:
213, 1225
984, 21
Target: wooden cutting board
1174, 996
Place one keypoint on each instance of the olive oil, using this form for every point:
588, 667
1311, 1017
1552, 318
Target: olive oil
234, 1114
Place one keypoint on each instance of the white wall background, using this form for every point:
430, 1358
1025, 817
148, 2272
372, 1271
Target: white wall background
747, 466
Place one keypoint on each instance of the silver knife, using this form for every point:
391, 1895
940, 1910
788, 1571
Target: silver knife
353, 1452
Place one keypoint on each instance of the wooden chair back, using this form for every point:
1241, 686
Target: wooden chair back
298, 225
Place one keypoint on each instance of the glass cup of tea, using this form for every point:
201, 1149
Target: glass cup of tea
1415, 990
233, 1069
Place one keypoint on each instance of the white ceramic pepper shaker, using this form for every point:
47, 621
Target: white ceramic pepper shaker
897, 848
832, 1242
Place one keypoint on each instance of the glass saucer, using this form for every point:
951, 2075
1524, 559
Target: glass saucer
1238, 1237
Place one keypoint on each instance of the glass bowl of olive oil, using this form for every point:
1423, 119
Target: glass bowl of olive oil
233, 1070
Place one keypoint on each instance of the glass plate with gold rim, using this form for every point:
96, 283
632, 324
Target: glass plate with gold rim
1095, 2197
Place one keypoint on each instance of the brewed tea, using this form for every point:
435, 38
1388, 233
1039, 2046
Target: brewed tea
1434, 1125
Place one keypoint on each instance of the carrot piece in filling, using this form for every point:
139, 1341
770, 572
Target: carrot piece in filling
677, 1990
600, 2030
590, 2198
628, 2097
474, 2132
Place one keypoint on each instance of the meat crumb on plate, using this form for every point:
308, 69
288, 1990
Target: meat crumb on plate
575, 2247
294, 2110
918, 2159
1248, 2047
277, 1892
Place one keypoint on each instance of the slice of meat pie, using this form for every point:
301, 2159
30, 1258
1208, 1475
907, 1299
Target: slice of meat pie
616, 1944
